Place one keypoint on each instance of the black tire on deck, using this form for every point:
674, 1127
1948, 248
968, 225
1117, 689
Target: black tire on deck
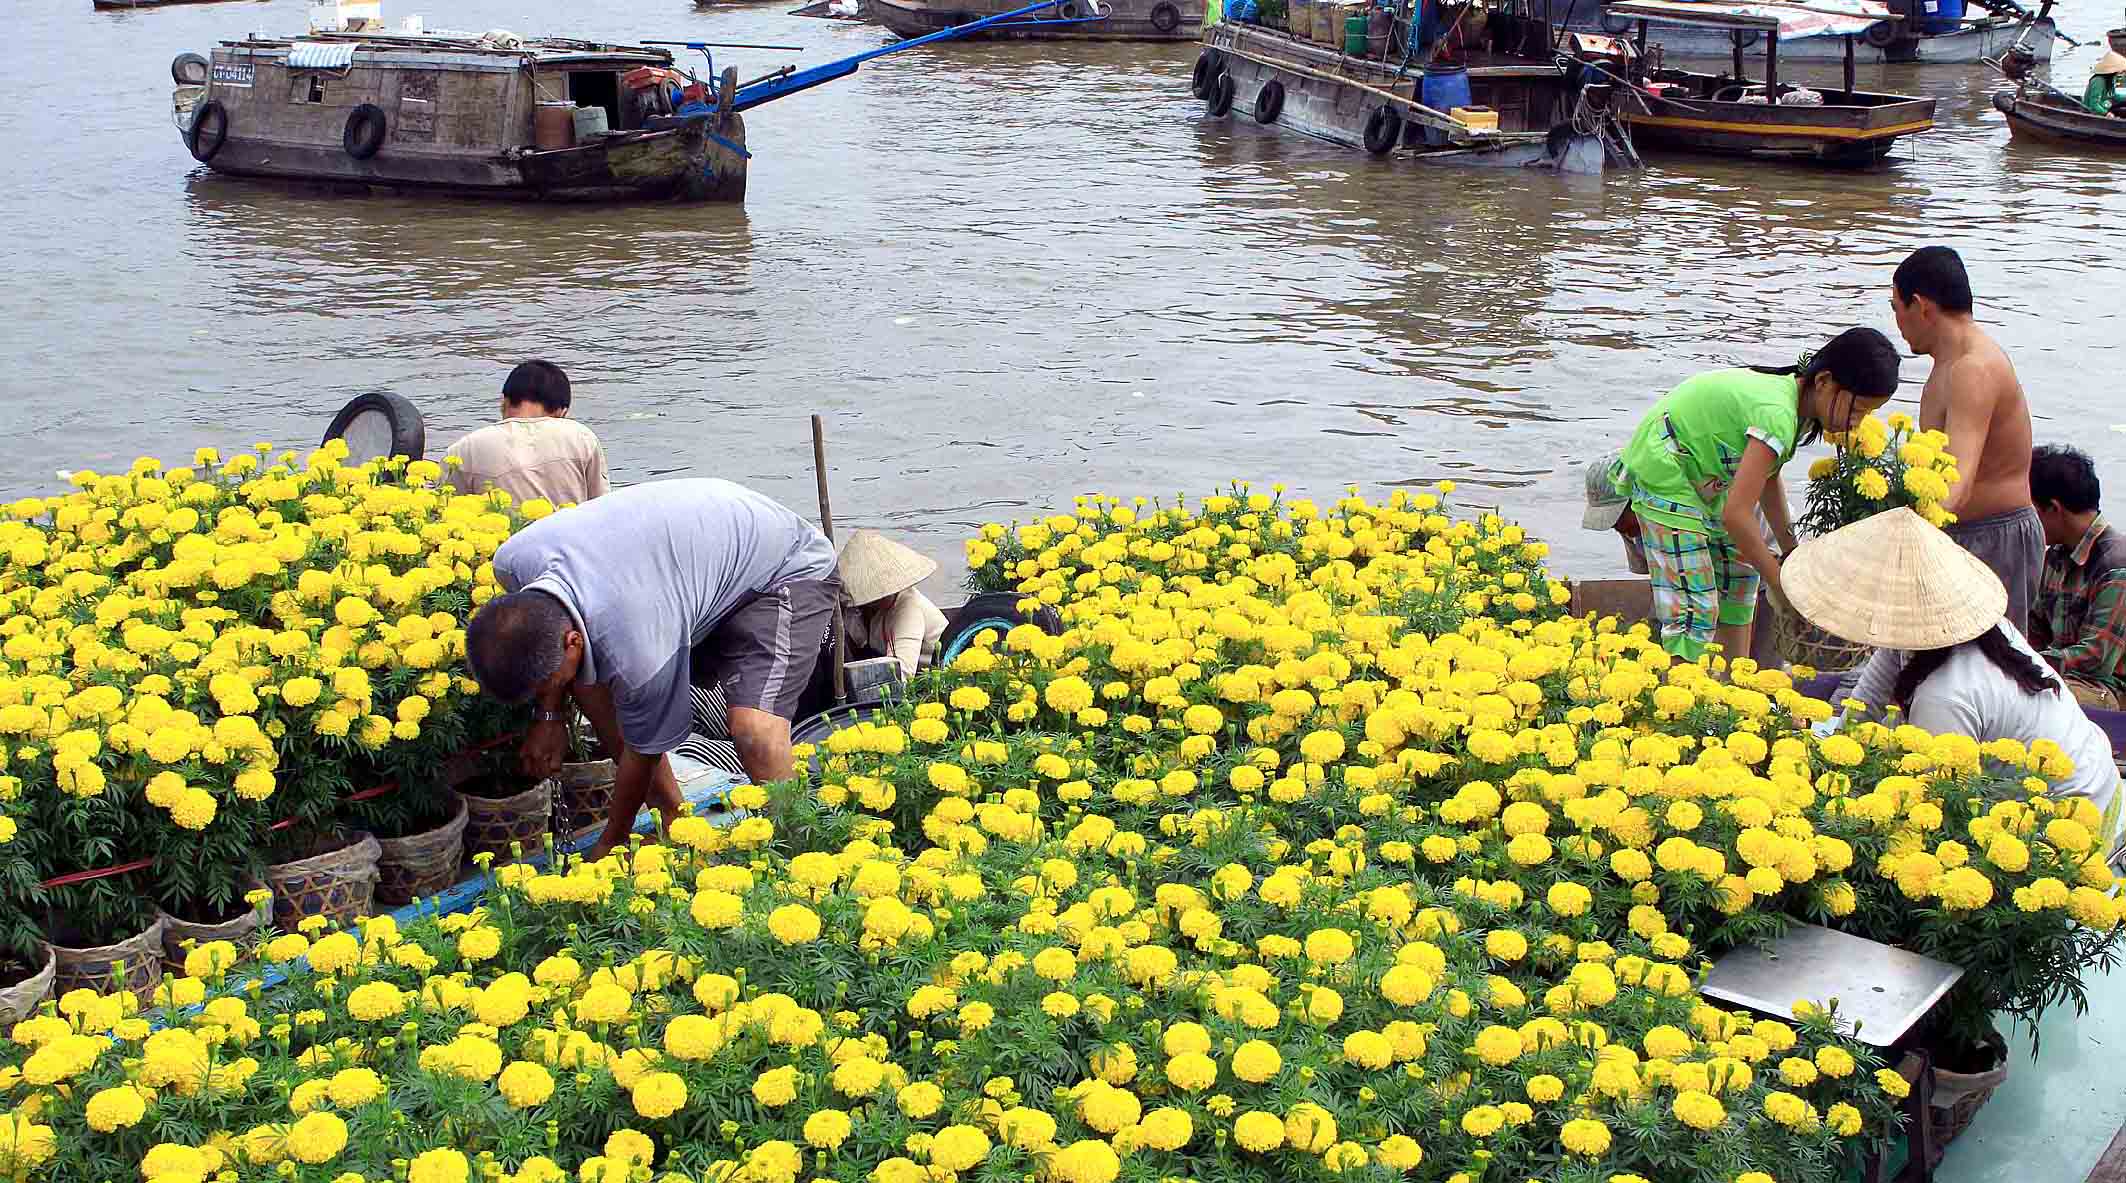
188, 69
375, 417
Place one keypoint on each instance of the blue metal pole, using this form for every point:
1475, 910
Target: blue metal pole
765, 92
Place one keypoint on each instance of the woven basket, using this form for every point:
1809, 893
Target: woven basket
99, 968
1958, 1096
1797, 642
583, 797
179, 935
498, 825
421, 864
20, 1001
339, 885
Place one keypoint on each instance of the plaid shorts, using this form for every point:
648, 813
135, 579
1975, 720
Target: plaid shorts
1700, 582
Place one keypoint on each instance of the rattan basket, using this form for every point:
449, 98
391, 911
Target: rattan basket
339, 885
1797, 642
179, 936
134, 964
1958, 1097
509, 827
421, 864
583, 796
20, 1000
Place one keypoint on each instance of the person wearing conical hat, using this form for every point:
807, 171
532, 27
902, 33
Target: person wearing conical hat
1936, 615
2106, 92
887, 615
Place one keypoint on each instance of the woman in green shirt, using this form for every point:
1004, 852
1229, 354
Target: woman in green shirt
1706, 458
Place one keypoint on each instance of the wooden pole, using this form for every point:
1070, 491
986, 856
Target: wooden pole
826, 526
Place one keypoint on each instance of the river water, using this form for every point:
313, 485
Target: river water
1006, 274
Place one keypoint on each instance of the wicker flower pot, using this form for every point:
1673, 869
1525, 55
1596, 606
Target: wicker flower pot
1958, 1096
1797, 642
509, 826
134, 964
584, 796
19, 1000
180, 935
421, 864
339, 885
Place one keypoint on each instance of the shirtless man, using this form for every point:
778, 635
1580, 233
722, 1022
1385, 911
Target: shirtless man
1974, 397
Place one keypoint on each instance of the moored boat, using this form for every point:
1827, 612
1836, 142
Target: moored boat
129, 5
1887, 39
1730, 114
1065, 20
1494, 87
2045, 116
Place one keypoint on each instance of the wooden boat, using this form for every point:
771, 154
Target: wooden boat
1974, 42
2045, 116
129, 5
1064, 20
1728, 114
1529, 104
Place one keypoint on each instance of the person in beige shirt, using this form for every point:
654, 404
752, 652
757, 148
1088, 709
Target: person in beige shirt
884, 614
536, 450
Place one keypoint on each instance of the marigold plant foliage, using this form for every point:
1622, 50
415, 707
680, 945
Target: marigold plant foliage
190, 655
1243, 877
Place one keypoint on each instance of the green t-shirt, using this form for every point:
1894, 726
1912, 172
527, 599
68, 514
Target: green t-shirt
1680, 462
2103, 92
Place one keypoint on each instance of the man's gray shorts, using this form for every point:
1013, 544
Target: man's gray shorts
2013, 544
762, 655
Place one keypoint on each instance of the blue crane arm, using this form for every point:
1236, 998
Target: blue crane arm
767, 91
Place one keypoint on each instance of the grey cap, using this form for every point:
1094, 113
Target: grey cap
1604, 504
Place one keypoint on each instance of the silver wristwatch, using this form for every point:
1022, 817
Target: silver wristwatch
546, 716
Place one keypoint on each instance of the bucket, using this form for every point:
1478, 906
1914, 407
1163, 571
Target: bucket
554, 126
1443, 89
590, 123
1355, 34
1940, 16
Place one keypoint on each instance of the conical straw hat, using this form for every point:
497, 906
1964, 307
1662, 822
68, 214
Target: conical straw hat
2110, 63
874, 566
1894, 582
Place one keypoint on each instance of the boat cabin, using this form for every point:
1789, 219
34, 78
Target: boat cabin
1732, 114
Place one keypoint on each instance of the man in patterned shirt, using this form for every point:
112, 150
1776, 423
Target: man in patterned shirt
2079, 621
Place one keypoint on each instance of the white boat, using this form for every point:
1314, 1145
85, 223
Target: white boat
1974, 42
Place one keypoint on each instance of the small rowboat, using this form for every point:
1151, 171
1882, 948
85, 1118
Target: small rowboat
2049, 117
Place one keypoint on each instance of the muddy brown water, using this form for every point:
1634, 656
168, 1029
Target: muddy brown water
1006, 274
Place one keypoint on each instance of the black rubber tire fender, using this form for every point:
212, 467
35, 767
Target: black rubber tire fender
188, 69
1165, 17
1383, 128
1069, 10
409, 431
1614, 25
1881, 35
364, 134
201, 141
993, 610
1269, 101
1199, 83
1220, 99
2004, 101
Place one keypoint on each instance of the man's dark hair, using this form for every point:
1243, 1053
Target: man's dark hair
539, 382
2066, 475
1937, 273
515, 642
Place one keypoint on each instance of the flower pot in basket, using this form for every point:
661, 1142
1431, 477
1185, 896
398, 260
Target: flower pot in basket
497, 824
180, 936
421, 864
1797, 642
19, 1000
339, 884
1958, 1096
134, 964
584, 796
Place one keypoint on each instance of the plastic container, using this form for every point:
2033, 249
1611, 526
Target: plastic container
590, 123
1478, 118
1940, 16
1355, 34
1443, 89
554, 126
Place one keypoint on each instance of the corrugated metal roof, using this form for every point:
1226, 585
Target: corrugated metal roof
321, 55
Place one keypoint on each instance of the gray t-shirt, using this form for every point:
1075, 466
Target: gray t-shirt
650, 570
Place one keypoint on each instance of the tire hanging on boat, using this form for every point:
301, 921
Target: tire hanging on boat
365, 131
1383, 128
1199, 83
1615, 25
1220, 100
1165, 17
1069, 10
1269, 101
203, 140
188, 69
1881, 35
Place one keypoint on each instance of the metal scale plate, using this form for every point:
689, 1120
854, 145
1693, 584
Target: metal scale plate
1881, 990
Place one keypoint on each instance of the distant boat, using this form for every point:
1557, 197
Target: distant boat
124, 5
2049, 117
1065, 20
1971, 43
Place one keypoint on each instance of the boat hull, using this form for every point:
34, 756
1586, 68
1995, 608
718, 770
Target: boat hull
1127, 20
129, 5
2031, 119
1849, 128
1967, 46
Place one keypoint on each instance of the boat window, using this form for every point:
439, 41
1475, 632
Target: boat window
597, 88
317, 89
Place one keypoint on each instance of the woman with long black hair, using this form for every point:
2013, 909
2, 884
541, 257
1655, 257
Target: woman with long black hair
1894, 582
1707, 457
